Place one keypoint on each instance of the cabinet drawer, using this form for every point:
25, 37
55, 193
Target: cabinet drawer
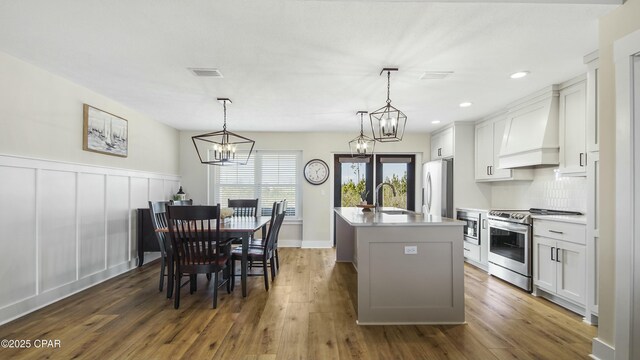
575, 233
471, 251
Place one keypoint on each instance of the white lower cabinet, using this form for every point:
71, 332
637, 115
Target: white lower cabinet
559, 266
471, 251
545, 273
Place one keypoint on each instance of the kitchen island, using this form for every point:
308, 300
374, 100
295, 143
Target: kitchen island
410, 267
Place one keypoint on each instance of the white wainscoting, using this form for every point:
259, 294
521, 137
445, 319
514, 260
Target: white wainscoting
65, 227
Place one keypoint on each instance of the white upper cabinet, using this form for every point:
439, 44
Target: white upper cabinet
484, 150
593, 126
573, 124
442, 144
489, 136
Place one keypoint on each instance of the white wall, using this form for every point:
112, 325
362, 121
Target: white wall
65, 227
317, 201
613, 26
64, 224
41, 117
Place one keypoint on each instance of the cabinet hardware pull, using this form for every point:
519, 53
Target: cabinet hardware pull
581, 161
465, 249
488, 170
556, 232
484, 223
552, 259
439, 151
558, 254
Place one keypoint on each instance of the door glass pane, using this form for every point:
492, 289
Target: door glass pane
353, 183
396, 175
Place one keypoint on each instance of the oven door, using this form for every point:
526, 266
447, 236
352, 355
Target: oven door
510, 246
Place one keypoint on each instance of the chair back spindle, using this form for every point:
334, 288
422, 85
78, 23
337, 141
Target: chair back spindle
244, 207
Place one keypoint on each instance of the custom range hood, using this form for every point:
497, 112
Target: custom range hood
531, 131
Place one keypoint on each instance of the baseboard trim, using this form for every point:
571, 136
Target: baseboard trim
316, 245
289, 243
601, 350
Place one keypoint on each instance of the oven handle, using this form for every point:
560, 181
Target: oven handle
507, 226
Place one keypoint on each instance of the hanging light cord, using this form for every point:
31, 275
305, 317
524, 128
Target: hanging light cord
224, 105
388, 87
361, 121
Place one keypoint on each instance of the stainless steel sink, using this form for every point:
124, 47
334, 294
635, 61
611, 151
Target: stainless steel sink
395, 212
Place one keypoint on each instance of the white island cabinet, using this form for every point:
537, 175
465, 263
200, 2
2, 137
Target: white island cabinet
410, 267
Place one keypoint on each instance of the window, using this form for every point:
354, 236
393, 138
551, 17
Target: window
269, 176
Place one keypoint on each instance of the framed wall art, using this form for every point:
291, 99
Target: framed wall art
104, 132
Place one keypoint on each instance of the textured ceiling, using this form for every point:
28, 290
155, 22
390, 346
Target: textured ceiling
302, 65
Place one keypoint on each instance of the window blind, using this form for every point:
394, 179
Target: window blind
269, 176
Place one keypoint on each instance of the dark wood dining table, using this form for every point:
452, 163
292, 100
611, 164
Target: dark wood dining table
244, 228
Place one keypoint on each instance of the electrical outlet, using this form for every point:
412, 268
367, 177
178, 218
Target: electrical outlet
410, 250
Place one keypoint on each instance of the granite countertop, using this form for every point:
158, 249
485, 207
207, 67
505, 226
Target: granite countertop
575, 219
385, 216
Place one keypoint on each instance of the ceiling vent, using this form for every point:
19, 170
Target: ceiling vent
435, 75
206, 72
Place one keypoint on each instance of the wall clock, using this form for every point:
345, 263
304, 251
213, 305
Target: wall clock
316, 172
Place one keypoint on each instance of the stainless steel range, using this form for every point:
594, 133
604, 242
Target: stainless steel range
510, 247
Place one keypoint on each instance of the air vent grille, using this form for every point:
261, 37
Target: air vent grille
206, 72
435, 75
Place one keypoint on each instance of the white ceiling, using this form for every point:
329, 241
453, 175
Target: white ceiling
302, 65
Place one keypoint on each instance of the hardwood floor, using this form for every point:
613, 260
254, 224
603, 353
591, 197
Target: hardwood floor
308, 313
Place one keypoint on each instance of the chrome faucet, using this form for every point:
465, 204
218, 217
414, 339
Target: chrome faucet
378, 191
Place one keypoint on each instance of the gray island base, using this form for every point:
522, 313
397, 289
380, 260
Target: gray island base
410, 268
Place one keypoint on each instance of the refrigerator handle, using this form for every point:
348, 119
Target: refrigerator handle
429, 190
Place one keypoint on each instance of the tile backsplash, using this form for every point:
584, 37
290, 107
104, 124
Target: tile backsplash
547, 190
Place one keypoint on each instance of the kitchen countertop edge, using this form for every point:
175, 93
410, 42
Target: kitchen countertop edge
574, 219
356, 217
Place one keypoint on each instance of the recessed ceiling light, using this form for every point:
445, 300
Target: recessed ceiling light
465, 104
435, 122
519, 74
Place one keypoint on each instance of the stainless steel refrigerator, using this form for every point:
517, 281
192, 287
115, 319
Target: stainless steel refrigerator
437, 188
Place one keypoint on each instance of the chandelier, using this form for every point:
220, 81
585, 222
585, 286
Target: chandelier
387, 123
362, 146
223, 147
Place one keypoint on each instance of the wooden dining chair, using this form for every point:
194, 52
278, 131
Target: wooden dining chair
158, 211
265, 253
182, 202
198, 247
259, 242
244, 207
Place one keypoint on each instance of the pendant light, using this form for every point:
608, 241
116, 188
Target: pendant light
223, 147
387, 123
362, 146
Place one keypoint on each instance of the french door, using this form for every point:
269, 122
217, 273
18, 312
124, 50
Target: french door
399, 171
354, 180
